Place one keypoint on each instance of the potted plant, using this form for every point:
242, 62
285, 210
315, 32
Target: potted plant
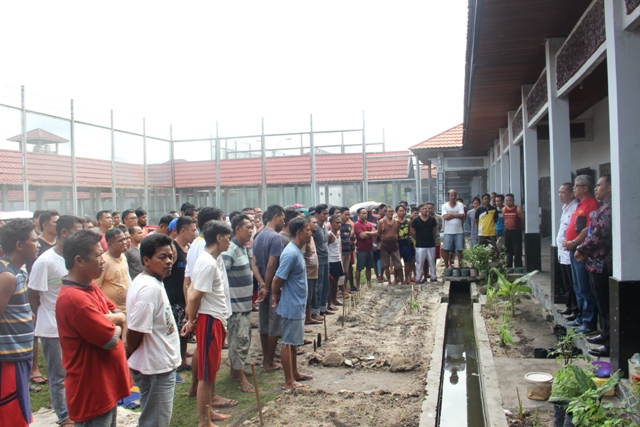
478, 258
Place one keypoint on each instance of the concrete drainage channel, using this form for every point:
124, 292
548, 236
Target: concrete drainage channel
462, 368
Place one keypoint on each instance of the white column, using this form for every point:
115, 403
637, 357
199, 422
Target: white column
497, 167
515, 174
441, 181
559, 136
504, 165
530, 147
623, 61
490, 171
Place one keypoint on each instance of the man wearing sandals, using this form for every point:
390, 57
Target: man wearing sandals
289, 288
238, 266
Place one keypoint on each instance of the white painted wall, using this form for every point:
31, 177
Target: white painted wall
592, 154
584, 154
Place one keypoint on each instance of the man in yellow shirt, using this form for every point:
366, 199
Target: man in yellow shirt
486, 218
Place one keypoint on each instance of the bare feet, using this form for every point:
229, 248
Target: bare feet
216, 416
295, 386
271, 368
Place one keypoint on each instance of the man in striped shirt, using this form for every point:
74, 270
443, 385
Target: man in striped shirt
238, 266
20, 244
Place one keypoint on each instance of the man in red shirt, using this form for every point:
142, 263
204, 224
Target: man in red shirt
89, 326
364, 246
577, 231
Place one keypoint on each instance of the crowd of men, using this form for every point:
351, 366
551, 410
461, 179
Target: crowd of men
116, 301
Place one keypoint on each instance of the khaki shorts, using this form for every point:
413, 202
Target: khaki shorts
389, 257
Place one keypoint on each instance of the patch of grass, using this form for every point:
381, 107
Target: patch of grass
185, 411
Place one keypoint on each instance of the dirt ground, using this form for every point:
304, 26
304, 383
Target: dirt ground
531, 419
376, 331
528, 327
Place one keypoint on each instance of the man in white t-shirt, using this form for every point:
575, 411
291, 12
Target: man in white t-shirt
207, 311
206, 214
453, 216
44, 285
153, 343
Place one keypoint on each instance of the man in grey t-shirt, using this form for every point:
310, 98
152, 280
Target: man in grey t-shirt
267, 248
322, 240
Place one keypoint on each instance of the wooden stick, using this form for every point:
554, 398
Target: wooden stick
255, 386
325, 327
343, 309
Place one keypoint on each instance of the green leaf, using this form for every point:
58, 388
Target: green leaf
526, 277
523, 289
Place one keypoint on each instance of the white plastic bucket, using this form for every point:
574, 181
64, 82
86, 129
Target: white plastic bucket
538, 385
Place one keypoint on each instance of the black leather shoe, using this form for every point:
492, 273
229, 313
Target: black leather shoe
565, 312
571, 318
599, 339
599, 352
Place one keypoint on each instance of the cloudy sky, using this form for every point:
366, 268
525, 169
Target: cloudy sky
191, 64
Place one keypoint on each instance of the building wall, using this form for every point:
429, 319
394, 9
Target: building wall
584, 154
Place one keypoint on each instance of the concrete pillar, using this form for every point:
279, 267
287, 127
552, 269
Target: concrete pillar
623, 61
559, 156
442, 183
394, 193
430, 183
497, 168
181, 197
5, 197
559, 136
515, 174
63, 200
491, 171
504, 165
532, 244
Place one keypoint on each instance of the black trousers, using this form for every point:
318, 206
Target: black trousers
600, 287
567, 281
513, 243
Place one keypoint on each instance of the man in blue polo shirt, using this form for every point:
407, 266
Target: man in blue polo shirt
289, 287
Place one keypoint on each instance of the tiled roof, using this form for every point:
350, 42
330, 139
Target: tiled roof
54, 169
39, 135
388, 165
202, 171
451, 138
16, 195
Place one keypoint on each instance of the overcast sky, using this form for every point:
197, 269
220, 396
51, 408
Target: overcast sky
191, 63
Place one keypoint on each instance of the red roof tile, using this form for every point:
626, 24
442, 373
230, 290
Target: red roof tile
54, 169
338, 167
240, 172
39, 135
289, 169
388, 165
451, 138
188, 173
